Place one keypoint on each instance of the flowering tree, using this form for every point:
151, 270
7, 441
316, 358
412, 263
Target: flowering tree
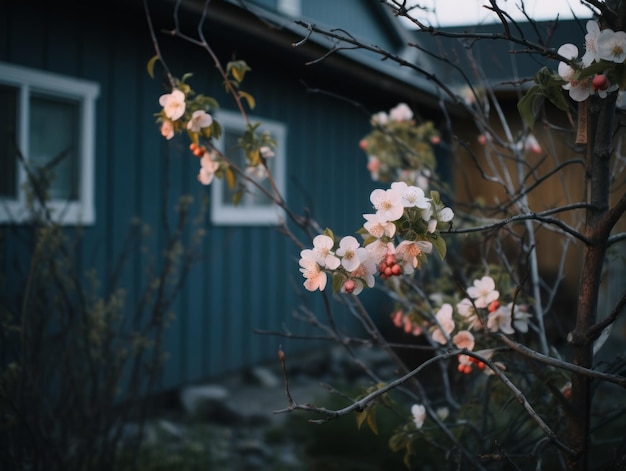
483, 319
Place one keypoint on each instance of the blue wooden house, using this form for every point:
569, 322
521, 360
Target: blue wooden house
75, 78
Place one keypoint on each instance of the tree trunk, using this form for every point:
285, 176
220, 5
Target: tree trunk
599, 151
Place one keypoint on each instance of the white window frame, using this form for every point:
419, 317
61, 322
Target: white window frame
224, 213
291, 8
84, 93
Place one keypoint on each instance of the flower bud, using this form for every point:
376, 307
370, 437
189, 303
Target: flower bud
349, 286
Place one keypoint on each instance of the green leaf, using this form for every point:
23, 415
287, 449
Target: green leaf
397, 442
249, 98
620, 76
371, 420
557, 98
543, 76
367, 416
439, 244
361, 417
329, 233
151, 64
230, 179
337, 282
407, 455
237, 197
254, 157
435, 197
206, 132
238, 70
593, 69
530, 103
216, 129
368, 240
527, 106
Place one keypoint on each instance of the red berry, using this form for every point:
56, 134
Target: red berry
388, 272
493, 306
348, 286
396, 270
600, 82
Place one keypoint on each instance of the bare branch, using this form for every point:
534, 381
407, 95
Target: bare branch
528, 352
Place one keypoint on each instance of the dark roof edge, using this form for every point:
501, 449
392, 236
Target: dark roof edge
282, 32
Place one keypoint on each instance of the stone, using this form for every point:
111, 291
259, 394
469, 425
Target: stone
263, 377
209, 403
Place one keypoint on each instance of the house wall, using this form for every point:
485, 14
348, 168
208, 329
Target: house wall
556, 189
361, 18
247, 278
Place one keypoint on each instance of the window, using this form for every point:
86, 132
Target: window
254, 208
290, 7
50, 121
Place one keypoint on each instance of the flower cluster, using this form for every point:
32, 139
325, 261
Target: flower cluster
184, 111
181, 114
397, 237
479, 312
600, 66
400, 149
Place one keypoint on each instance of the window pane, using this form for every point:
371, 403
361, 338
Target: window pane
8, 161
252, 196
54, 143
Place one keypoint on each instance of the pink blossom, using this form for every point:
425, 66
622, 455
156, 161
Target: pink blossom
464, 339
445, 322
167, 129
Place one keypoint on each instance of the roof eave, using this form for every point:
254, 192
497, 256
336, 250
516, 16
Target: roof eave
284, 35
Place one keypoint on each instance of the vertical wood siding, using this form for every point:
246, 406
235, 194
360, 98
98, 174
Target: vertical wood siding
246, 277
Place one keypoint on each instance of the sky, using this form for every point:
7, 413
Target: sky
464, 12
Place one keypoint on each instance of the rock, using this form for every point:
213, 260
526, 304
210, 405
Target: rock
263, 377
209, 403
234, 421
